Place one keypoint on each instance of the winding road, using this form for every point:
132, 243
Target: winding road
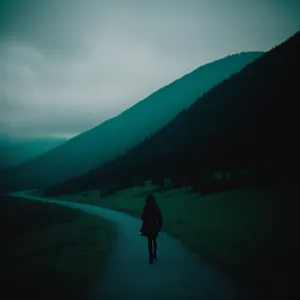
177, 274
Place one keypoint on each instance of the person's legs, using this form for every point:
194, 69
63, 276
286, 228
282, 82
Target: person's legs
155, 248
150, 249
150, 244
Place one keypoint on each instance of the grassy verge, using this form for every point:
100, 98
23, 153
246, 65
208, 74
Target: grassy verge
50, 251
251, 233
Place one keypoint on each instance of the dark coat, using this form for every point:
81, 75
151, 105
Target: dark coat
152, 222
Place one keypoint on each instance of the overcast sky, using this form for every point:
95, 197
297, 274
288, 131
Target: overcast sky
68, 65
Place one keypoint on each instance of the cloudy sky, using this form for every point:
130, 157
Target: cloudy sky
68, 65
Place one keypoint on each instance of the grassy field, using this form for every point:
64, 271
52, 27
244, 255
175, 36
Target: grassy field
252, 233
50, 251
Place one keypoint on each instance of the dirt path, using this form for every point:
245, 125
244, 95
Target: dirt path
177, 274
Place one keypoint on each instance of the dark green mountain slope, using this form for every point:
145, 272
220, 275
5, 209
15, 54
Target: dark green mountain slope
115, 136
249, 121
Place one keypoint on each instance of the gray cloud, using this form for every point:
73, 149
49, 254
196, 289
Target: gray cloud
66, 66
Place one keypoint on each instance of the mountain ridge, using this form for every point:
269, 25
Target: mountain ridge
77, 157
220, 131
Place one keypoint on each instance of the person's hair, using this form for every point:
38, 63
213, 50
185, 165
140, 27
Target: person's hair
151, 202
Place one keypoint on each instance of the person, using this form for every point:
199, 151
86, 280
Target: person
152, 225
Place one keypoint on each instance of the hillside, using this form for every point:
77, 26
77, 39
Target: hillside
115, 136
14, 152
7, 140
247, 123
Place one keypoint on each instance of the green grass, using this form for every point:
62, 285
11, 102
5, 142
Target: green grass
50, 251
251, 233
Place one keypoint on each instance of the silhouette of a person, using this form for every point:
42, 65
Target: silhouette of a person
152, 224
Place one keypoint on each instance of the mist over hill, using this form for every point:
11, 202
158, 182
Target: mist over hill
14, 151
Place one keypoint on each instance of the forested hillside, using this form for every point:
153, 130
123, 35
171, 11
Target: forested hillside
247, 126
117, 135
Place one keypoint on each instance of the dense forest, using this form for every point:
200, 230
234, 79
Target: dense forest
243, 132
